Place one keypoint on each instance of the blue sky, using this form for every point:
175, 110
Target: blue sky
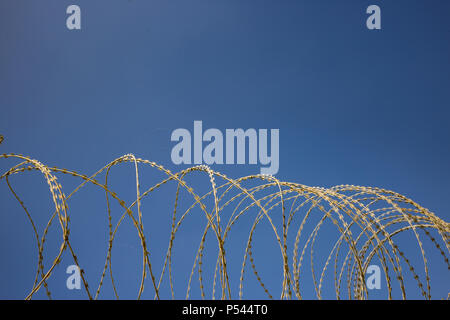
353, 106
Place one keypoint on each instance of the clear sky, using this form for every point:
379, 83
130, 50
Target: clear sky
353, 106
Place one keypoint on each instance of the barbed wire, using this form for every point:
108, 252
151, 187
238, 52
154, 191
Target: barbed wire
367, 220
